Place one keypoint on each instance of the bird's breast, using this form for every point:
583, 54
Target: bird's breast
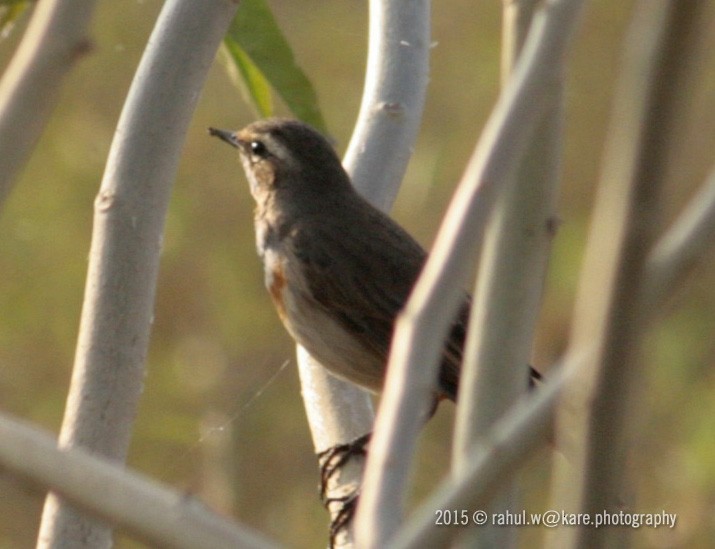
276, 284
313, 327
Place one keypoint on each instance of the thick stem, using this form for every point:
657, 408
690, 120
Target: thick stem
130, 208
376, 159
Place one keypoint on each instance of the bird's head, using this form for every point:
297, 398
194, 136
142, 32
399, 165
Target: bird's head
283, 157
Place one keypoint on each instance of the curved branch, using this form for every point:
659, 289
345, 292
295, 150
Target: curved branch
55, 38
124, 258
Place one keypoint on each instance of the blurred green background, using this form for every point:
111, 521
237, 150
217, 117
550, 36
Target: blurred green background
220, 417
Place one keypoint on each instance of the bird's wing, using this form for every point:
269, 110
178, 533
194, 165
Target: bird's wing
364, 284
453, 348
361, 283
452, 356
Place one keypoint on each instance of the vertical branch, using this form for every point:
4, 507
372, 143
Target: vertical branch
510, 280
339, 412
55, 38
421, 328
610, 309
126, 241
376, 159
393, 98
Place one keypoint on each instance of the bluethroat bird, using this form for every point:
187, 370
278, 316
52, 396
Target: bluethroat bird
338, 269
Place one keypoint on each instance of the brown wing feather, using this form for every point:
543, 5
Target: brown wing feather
361, 285
373, 287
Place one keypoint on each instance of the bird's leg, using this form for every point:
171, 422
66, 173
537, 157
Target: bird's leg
336, 457
331, 461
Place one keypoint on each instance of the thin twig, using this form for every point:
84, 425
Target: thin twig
682, 246
517, 16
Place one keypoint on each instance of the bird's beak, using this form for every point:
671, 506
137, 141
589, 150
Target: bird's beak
225, 135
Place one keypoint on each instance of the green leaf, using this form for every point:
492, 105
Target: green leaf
10, 10
248, 78
254, 37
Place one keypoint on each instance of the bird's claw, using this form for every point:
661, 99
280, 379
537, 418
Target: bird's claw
331, 461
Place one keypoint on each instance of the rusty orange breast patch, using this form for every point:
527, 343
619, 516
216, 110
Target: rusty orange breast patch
276, 282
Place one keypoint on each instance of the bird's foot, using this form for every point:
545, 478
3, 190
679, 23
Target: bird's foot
331, 461
345, 514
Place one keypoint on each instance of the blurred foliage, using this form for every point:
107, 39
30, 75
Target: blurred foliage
220, 416
261, 54
10, 11
248, 78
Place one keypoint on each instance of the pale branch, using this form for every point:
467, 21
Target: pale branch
493, 459
153, 513
393, 98
517, 16
54, 40
421, 329
598, 405
529, 426
510, 281
376, 159
339, 412
130, 209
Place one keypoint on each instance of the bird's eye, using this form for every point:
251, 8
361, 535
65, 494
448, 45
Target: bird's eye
258, 148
